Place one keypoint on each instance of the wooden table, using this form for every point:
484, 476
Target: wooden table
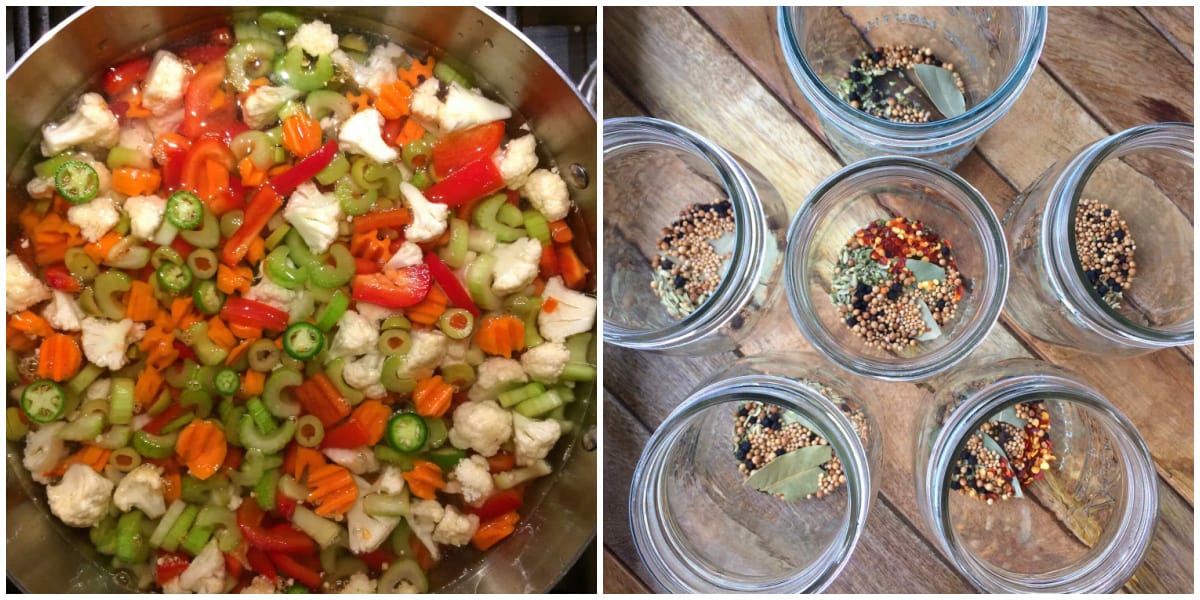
721, 72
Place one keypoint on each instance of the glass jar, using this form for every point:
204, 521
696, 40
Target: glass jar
1145, 174
698, 527
1083, 526
995, 51
883, 188
654, 170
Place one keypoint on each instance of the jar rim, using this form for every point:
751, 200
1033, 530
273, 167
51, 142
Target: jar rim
994, 248
656, 544
1104, 572
1065, 274
943, 132
750, 230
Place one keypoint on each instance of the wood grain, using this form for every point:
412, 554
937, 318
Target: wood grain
664, 53
1176, 23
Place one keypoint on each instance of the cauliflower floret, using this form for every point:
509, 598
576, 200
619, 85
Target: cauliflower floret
575, 313
474, 479
314, 215
455, 528
363, 134
104, 341
367, 532
22, 289
136, 135
260, 585
92, 124
547, 192
545, 362
81, 498
375, 313
165, 83
259, 108
167, 123
380, 69
315, 38
142, 488
429, 218
461, 109
428, 348
481, 426
423, 517
456, 353
290, 301
94, 218
364, 374
358, 460
41, 188
355, 336
145, 214
206, 573
359, 583
516, 265
533, 439
63, 313
517, 160
391, 481
99, 389
43, 450
495, 375
408, 255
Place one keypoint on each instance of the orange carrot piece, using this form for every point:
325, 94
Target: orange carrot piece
498, 334
360, 102
234, 279
59, 357
246, 332
30, 322
201, 446
146, 388
180, 307
220, 334
94, 457
425, 559
300, 461
502, 461
493, 530
548, 265
333, 489
410, 132
301, 134
432, 396
142, 305
172, 486
252, 383
393, 100
373, 416
549, 305
574, 272
238, 351
133, 181
516, 333
424, 479
560, 232
99, 249
417, 72
256, 251
17, 340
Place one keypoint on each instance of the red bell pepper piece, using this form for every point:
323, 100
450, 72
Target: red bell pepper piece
454, 289
314, 163
182, 246
279, 539
198, 55
60, 278
205, 104
472, 181
169, 565
285, 506
156, 424
261, 563
350, 434
233, 565
184, 350
290, 567
253, 313
497, 504
206, 172
391, 130
396, 288
366, 266
258, 212
377, 558
459, 148
123, 76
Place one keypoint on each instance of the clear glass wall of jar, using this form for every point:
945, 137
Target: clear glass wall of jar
1083, 526
1146, 175
653, 171
698, 527
884, 188
995, 51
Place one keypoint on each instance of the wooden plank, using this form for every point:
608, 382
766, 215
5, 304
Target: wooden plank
1144, 382
1176, 23
618, 579
650, 33
887, 540
1119, 67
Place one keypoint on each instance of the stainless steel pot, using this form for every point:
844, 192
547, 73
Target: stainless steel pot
44, 556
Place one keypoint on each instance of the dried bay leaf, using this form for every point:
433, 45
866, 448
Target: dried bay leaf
934, 331
795, 475
925, 271
939, 84
1008, 415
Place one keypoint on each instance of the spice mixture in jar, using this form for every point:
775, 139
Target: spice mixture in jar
896, 283
694, 253
780, 453
877, 83
1005, 454
1105, 250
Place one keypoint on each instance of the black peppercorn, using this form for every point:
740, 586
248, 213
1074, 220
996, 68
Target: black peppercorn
680, 281
855, 76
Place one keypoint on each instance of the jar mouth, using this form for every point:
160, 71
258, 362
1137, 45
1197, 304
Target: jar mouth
949, 131
665, 547
736, 287
1119, 549
807, 241
1066, 274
